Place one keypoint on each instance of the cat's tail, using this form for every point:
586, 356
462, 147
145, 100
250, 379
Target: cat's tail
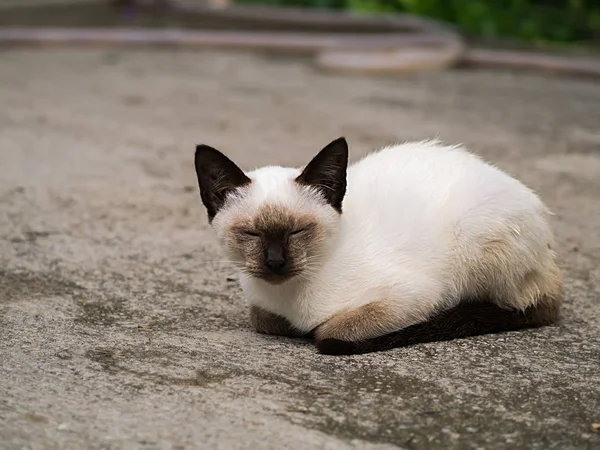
465, 320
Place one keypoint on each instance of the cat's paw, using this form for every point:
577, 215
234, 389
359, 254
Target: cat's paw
330, 346
265, 322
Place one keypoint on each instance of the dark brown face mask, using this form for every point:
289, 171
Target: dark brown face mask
276, 243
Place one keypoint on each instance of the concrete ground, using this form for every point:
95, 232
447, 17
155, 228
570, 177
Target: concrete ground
120, 325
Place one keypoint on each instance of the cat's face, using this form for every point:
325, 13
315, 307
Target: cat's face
275, 223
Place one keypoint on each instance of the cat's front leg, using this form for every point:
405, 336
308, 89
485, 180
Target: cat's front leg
265, 322
344, 332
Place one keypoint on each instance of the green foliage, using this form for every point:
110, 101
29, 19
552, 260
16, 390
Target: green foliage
531, 20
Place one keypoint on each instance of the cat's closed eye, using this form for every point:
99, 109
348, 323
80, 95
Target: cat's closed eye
298, 231
251, 233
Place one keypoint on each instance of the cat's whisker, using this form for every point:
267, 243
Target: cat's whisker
221, 262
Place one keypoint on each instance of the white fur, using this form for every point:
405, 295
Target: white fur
424, 225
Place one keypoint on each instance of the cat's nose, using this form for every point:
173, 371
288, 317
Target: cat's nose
275, 259
276, 265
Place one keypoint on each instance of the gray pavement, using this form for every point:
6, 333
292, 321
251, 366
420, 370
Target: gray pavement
120, 326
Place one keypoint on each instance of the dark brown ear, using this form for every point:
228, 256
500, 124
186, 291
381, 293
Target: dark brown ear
327, 172
218, 176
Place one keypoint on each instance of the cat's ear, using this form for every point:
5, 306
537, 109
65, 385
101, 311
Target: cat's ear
218, 176
327, 172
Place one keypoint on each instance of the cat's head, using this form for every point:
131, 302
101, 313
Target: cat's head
275, 223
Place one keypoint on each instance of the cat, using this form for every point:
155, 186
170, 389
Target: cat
415, 242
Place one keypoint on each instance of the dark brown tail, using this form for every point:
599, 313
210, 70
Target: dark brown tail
464, 320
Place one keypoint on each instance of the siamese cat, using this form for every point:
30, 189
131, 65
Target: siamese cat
416, 242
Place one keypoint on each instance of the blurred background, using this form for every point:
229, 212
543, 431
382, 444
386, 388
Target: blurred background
539, 22
536, 21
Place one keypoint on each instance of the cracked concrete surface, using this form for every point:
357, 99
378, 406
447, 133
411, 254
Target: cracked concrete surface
120, 326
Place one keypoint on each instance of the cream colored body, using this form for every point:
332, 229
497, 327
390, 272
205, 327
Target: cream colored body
424, 226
